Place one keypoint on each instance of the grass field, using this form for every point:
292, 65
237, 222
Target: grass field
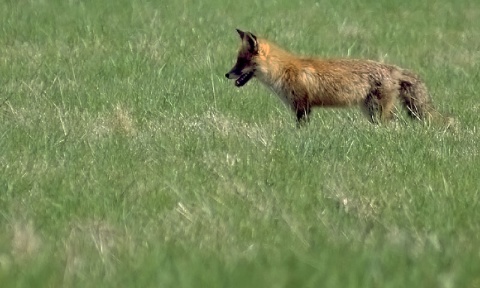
128, 160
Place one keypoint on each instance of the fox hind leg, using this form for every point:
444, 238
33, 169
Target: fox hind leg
379, 103
387, 98
371, 107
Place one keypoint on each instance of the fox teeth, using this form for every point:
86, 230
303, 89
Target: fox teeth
243, 79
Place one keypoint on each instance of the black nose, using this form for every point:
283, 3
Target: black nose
226, 75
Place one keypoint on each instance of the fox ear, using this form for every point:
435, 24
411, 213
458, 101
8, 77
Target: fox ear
252, 42
241, 33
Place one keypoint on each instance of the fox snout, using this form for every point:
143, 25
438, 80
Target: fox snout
231, 75
241, 78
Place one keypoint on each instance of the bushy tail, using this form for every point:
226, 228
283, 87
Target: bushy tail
414, 95
416, 99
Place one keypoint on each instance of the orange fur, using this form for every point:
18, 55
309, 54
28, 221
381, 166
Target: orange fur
303, 83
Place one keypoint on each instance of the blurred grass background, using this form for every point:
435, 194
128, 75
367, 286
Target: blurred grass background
126, 158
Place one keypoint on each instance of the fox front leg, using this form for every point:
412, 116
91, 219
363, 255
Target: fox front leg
302, 115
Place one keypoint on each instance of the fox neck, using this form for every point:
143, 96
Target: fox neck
272, 62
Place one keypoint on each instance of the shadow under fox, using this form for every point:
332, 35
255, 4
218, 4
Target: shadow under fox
303, 83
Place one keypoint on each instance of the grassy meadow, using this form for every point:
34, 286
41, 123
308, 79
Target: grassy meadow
128, 160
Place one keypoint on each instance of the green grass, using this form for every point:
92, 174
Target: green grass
127, 160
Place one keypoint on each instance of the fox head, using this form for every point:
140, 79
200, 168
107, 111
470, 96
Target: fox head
245, 67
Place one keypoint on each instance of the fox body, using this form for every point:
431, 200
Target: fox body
303, 83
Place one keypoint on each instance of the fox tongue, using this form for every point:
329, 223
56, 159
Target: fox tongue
243, 79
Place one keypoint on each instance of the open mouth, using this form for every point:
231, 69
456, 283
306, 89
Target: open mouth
243, 79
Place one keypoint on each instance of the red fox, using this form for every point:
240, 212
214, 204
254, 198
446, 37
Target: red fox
303, 83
